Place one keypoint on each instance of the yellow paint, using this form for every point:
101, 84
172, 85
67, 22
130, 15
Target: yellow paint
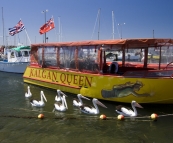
160, 90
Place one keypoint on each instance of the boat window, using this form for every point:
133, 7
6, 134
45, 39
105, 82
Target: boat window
39, 52
67, 55
113, 55
166, 54
12, 55
133, 55
18, 54
25, 53
87, 58
50, 56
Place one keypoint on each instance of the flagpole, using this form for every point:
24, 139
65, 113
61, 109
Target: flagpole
18, 39
27, 36
44, 11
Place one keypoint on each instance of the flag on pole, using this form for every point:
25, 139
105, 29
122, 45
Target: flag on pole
49, 25
16, 29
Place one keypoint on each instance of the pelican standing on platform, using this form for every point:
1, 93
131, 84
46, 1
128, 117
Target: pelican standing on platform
61, 106
58, 96
37, 103
128, 112
28, 94
78, 102
91, 110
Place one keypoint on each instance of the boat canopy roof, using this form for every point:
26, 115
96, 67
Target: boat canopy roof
22, 48
127, 43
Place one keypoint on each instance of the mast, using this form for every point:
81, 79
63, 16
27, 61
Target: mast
99, 24
98, 17
59, 28
112, 25
3, 25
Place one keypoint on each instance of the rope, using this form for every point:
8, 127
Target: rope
78, 117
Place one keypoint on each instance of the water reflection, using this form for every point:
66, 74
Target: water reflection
39, 109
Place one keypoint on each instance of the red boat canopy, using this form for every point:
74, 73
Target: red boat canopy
129, 43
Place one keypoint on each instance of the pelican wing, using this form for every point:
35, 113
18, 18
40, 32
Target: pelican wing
126, 111
86, 109
75, 99
76, 102
34, 102
58, 106
26, 94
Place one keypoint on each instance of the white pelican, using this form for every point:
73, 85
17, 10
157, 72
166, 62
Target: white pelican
28, 94
61, 106
91, 110
58, 96
78, 102
128, 112
37, 103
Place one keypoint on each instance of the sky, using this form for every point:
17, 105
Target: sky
81, 20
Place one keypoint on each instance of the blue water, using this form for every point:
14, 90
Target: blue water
19, 122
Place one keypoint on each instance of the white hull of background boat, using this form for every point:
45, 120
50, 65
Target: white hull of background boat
13, 67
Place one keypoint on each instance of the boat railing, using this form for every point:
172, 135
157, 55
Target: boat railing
149, 74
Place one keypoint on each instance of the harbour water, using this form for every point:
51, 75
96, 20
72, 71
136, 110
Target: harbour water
19, 122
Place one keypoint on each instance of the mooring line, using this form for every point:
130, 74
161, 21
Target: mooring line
61, 118
64, 116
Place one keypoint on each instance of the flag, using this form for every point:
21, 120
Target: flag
49, 25
16, 29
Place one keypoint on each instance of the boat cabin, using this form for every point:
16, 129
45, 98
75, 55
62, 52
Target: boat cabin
104, 56
18, 54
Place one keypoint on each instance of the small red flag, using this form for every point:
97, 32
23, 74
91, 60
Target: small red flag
47, 27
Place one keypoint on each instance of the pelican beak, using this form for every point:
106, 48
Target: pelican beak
44, 97
138, 105
65, 102
53, 110
101, 104
85, 98
64, 94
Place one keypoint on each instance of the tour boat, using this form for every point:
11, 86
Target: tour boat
85, 67
15, 60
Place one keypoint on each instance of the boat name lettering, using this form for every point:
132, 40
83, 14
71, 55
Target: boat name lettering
63, 77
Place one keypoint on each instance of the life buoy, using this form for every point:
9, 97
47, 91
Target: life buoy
116, 66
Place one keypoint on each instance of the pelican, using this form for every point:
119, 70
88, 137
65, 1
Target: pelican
61, 106
91, 110
37, 103
78, 102
128, 112
58, 96
28, 94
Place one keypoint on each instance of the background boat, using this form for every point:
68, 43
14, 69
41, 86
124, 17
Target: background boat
15, 59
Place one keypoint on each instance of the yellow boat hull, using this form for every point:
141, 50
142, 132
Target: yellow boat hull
104, 87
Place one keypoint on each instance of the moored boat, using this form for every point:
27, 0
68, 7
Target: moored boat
85, 68
15, 60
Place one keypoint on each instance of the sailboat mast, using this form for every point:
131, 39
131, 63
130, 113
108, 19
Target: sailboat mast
99, 24
112, 25
59, 28
3, 25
